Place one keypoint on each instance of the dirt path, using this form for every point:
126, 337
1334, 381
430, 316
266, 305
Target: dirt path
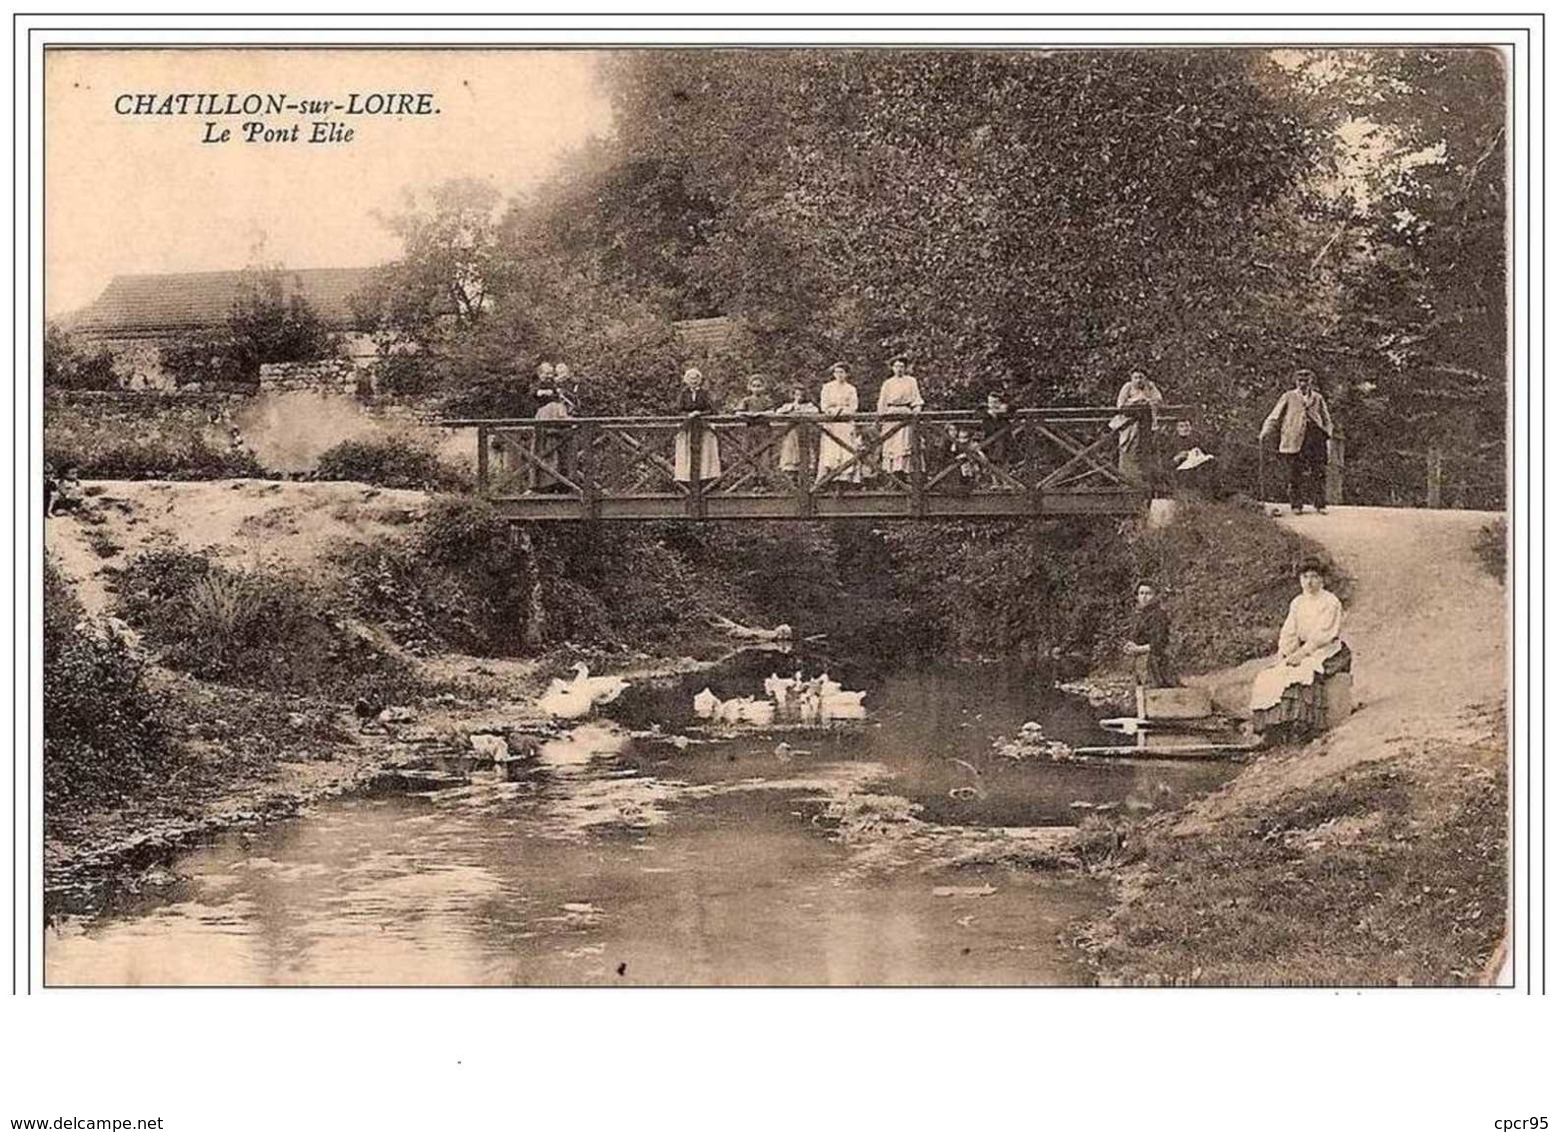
1428, 628
1376, 854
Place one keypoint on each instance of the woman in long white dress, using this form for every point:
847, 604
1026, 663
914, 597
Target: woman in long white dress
835, 449
899, 394
694, 401
1291, 691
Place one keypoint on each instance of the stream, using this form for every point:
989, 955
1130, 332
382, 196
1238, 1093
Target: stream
868, 853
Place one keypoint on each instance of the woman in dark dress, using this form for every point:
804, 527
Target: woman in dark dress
694, 401
1148, 643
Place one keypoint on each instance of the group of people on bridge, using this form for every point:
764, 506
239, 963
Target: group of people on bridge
844, 452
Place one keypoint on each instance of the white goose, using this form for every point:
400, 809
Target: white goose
602, 689
705, 704
573, 699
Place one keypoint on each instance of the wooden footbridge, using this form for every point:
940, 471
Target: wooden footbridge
1030, 462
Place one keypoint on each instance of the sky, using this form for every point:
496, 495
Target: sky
127, 193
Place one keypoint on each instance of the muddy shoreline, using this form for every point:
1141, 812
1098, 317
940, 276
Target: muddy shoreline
113, 851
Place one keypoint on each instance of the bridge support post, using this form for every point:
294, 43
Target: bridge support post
805, 477
916, 471
1435, 477
696, 507
1335, 470
534, 633
589, 478
482, 444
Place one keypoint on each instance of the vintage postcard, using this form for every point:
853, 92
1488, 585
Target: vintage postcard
747, 504
707, 516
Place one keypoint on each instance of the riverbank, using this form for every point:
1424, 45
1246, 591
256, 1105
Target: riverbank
248, 755
257, 743
1377, 854
248, 758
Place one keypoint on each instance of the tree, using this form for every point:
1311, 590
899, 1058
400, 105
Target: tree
271, 323
1402, 220
449, 266
1044, 218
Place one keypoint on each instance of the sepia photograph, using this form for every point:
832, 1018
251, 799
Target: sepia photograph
788, 516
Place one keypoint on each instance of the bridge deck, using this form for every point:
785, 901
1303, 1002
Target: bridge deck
929, 465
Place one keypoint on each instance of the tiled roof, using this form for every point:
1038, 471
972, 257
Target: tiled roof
705, 333
142, 303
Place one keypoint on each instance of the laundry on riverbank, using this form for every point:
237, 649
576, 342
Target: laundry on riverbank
1032, 744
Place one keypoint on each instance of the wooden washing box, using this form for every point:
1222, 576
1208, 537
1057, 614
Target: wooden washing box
1173, 703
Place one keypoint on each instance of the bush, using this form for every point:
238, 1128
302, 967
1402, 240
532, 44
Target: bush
1492, 547
468, 582
389, 462
254, 629
153, 459
101, 735
68, 364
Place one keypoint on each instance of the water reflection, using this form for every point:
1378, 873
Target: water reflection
617, 863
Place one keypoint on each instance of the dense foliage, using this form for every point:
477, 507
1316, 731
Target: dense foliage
398, 462
268, 322
69, 363
149, 458
251, 628
102, 738
146, 435
467, 582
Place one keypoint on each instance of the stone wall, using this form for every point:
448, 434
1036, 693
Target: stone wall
137, 361
333, 375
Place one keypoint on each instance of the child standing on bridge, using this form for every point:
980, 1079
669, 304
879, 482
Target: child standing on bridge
758, 441
792, 449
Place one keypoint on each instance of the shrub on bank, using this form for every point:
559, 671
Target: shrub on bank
102, 738
470, 582
257, 629
179, 436
1492, 547
150, 459
394, 462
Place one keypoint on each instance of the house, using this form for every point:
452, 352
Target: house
138, 316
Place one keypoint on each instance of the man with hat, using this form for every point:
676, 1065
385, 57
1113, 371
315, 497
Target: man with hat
1304, 421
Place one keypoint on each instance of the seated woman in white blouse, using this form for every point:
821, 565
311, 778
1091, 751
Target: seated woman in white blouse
1290, 694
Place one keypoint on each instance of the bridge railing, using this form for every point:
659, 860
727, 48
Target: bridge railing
779, 465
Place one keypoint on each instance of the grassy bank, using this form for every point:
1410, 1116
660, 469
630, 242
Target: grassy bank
1389, 874
1376, 854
